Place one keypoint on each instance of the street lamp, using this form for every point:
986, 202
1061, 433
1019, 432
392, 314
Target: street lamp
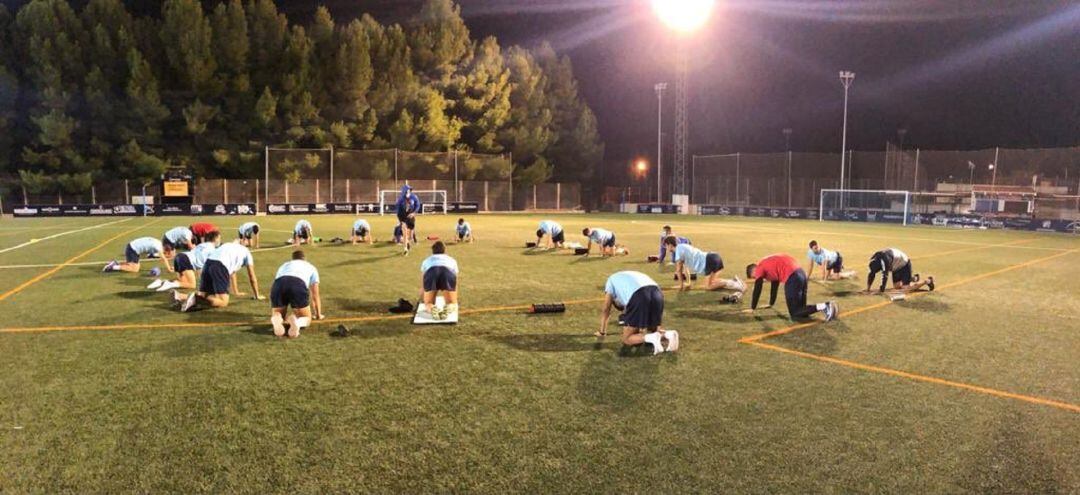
787, 147
660, 88
846, 77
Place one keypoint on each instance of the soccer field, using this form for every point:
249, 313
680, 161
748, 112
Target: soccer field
972, 388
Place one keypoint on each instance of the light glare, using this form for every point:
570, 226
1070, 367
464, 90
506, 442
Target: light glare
683, 15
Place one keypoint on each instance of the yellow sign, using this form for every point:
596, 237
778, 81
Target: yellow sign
179, 188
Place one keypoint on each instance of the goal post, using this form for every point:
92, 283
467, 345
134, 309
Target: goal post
432, 200
865, 205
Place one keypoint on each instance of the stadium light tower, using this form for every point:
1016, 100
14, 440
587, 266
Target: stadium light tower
846, 77
660, 88
787, 147
684, 17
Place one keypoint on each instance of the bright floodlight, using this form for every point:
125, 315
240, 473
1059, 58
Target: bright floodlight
642, 166
683, 15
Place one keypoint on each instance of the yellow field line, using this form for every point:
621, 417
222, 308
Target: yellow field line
976, 248
922, 378
754, 340
73, 259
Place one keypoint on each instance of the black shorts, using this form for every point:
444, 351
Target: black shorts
645, 308
360, 232
795, 291
837, 265
609, 243
461, 235
409, 222
439, 278
130, 255
713, 263
245, 236
558, 238
903, 275
182, 263
215, 278
301, 235
289, 291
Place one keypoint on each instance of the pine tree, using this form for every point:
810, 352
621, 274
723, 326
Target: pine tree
9, 90
187, 37
577, 149
482, 95
439, 39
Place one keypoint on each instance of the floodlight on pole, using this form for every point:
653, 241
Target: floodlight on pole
846, 78
660, 88
685, 16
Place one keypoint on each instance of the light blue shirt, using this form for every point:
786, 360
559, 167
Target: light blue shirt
300, 227
147, 246
233, 256
361, 224
439, 260
464, 228
600, 236
246, 229
622, 285
300, 269
823, 258
199, 255
179, 236
550, 228
692, 257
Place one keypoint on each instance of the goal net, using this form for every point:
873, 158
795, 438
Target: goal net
432, 200
867, 205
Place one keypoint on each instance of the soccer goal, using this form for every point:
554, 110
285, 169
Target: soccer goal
866, 205
433, 200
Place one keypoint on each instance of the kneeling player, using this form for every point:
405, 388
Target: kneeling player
464, 231
248, 233
361, 232
302, 233
605, 239
783, 269
202, 230
439, 273
642, 304
554, 231
296, 285
689, 259
831, 263
219, 276
399, 235
147, 247
894, 261
664, 234
179, 237
187, 265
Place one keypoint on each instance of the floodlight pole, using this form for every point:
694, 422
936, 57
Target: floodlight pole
787, 145
660, 87
846, 77
993, 176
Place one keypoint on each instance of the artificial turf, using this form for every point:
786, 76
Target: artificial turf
509, 402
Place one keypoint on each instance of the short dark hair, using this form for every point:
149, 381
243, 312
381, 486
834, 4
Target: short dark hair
298, 254
671, 241
750, 270
438, 248
255, 229
539, 232
812, 244
667, 228
585, 231
215, 235
460, 221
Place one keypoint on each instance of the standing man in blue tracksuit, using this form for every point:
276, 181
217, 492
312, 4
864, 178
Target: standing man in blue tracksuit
408, 205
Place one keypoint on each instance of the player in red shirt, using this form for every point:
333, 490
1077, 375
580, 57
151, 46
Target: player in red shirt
782, 268
202, 231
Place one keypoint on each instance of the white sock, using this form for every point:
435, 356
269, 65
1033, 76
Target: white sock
303, 321
821, 306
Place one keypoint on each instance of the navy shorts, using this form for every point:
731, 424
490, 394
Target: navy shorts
903, 275
130, 255
461, 235
360, 232
439, 278
645, 308
247, 236
409, 222
795, 291
610, 242
182, 263
713, 263
301, 235
215, 278
837, 265
289, 291
558, 238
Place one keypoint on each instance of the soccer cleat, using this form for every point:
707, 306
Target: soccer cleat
930, 283
672, 340
450, 309
831, 311
278, 323
741, 285
169, 285
654, 340
155, 284
189, 303
294, 326
110, 266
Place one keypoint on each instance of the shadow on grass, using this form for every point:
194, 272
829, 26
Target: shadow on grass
364, 260
555, 342
201, 343
925, 303
815, 340
611, 380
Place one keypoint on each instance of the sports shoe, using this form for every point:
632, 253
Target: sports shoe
672, 340
741, 285
831, 311
189, 303
654, 340
915, 278
438, 313
450, 309
342, 331
110, 266
167, 286
930, 283
155, 284
294, 326
303, 322
176, 299
278, 323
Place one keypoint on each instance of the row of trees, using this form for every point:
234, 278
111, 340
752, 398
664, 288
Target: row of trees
104, 93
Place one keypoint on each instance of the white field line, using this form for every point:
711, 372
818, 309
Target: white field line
35, 241
90, 263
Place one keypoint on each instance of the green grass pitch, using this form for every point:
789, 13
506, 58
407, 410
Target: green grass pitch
937, 393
